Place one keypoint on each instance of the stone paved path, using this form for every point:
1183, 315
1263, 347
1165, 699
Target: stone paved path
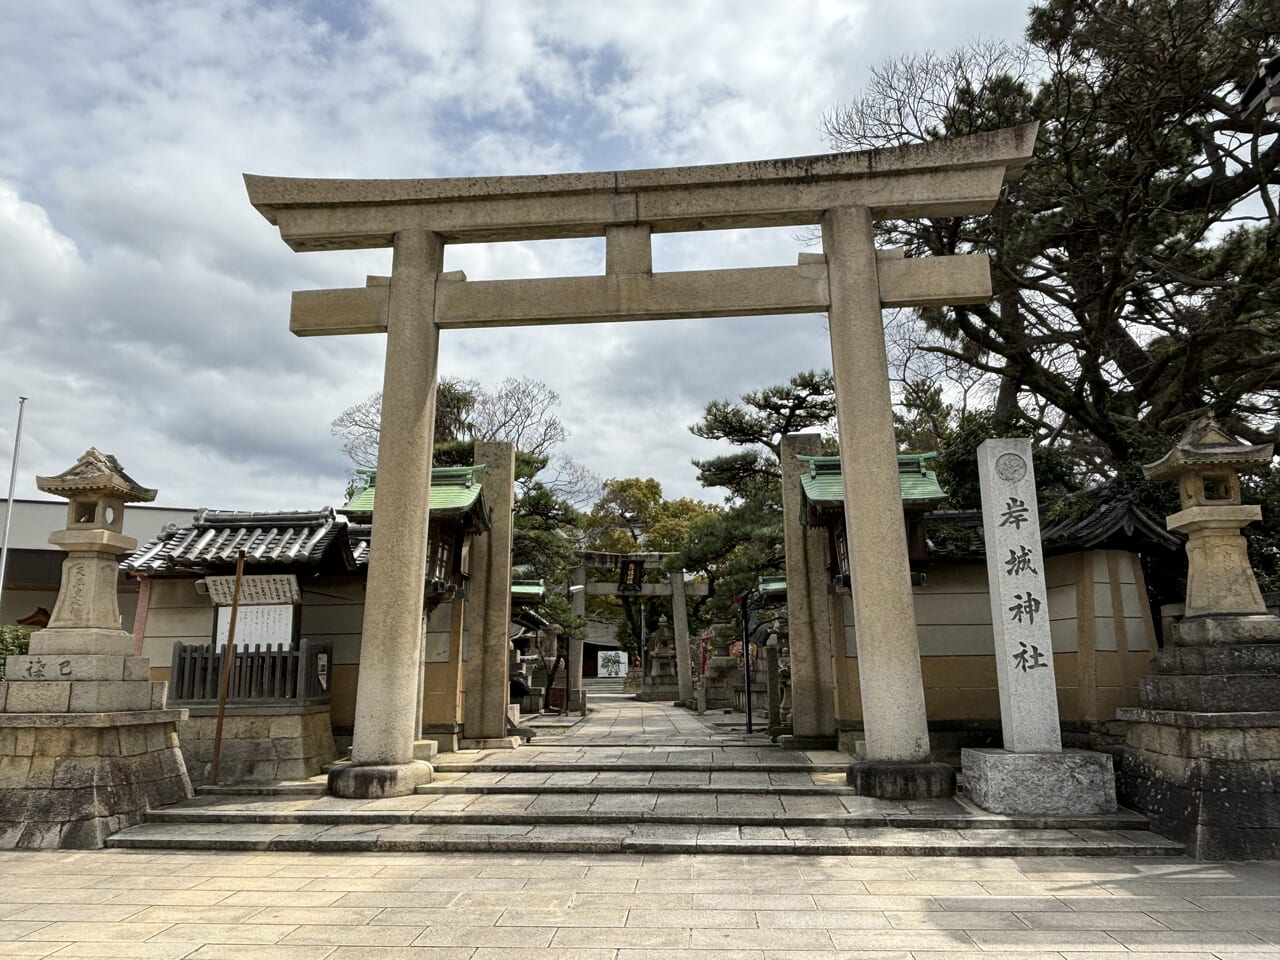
292, 906
639, 778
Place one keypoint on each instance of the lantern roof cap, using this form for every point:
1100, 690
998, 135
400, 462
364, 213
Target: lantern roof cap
1207, 443
96, 474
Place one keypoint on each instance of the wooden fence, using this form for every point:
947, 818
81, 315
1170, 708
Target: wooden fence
276, 675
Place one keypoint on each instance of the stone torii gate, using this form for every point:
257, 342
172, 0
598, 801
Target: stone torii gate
675, 588
844, 193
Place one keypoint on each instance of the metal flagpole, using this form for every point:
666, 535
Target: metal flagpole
13, 479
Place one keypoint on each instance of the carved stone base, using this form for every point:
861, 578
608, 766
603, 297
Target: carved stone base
71, 780
375, 781
1070, 783
890, 780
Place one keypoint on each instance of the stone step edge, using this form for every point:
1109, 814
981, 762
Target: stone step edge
762, 789
633, 767
396, 817
650, 845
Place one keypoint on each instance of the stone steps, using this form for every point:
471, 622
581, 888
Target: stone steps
967, 820
644, 838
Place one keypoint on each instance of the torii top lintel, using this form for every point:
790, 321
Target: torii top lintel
955, 177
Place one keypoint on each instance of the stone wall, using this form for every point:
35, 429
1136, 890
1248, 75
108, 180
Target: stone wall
259, 744
68, 783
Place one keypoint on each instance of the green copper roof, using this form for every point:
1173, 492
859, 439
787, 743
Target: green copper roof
824, 485
454, 490
772, 588
528, 591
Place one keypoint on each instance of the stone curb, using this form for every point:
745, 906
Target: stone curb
632, 766
850, 821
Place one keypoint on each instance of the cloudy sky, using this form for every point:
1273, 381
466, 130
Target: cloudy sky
144, 304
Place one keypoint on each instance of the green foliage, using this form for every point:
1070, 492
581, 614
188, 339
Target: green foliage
757, 422
1264, 537
923, 420
1057, 473
1134, 260
13, 643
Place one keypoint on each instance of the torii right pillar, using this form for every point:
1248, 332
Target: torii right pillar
895, 762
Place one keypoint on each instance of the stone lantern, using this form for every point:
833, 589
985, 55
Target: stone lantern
1207, 463
87, 745
1201, 747
86, 618
660, 681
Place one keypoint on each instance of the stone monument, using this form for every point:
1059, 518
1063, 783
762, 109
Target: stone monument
86, 744
1204, 746
1032, 774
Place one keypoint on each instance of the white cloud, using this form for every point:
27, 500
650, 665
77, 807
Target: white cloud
144, 303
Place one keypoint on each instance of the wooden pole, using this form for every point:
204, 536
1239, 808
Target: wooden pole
228, 661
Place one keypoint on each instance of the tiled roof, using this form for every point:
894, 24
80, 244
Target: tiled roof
823, 483
215, 537
454, 491
1114, 521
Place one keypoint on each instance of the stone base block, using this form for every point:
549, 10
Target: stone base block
658, 694
894, 780
1222, 693
55, 641
80, 666
375, 781
425, 749
81, 696
1211, 781
513, 713
1070, 783
491, 743
71, 785
794, 742
1217, 630
258, 747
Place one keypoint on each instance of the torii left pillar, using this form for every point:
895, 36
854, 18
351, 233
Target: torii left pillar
382, 762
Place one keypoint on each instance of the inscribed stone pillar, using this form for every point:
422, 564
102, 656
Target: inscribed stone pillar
391, 637
1032, 775
808, 610
1019, 599
893, 708
680, 620
488, 680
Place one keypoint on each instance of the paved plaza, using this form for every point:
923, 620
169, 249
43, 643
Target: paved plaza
166, 906
598, 774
